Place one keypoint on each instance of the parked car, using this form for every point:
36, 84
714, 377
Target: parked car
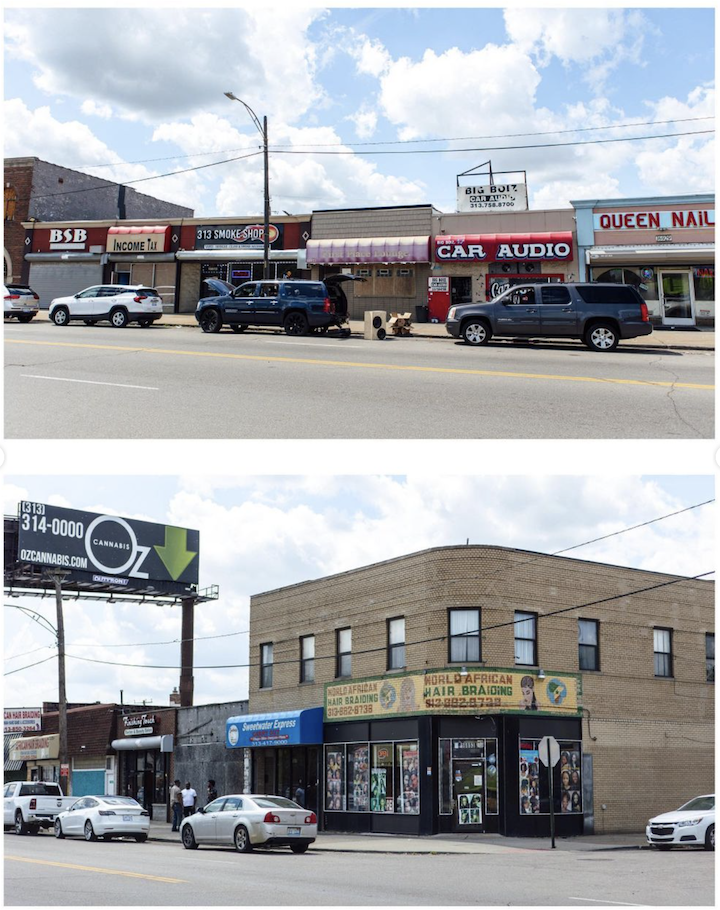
21, 302
118, 303
92, 817
248, 821
599, 314
691, 824
297, 305
29, 805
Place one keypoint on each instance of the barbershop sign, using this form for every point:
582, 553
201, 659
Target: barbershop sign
139, 724
556, 247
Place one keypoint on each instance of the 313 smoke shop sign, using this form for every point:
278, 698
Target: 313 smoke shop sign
477, 691
237, 236
106, 549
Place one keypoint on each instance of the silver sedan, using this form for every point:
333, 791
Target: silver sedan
92, 817
249, 820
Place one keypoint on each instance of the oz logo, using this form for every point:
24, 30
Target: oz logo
108, 536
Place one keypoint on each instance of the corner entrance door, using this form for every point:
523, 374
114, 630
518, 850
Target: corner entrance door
677, 300
468, 790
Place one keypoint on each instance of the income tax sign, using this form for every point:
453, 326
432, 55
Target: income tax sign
108, 547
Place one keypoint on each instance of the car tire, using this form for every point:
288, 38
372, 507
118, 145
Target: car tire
141, 838
241, 839
20, 826
211, 320
710, 838
296, 324
61, 316
57, 829
119, 318
602, 336
238, 329
25, 317
476, 332
89, 831
188, 838
299, 848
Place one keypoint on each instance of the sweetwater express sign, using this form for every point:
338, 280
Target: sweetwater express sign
477, 691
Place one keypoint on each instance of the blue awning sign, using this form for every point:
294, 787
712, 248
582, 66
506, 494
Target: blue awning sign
287, 728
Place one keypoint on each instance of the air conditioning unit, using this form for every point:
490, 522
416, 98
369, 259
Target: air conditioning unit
375, 325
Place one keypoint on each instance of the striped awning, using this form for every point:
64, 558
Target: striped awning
368, 249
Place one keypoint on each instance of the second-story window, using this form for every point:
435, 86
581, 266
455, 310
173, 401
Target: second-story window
662, 639
343, 664
307, 658
464, 627
588, 644
266, 666
396, 643
710, 657
525, 639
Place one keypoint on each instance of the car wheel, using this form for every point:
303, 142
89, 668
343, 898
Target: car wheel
119, 319
476, 333
664, 846
61, 316
188, 838
296, 324
141, 838
299, 848
602, 336
710, 838
241, 839
26, 317
210, 320
20, 826
238, 329
89, 831
57, 829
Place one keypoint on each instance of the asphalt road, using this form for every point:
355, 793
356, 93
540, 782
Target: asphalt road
41, 871
176, 382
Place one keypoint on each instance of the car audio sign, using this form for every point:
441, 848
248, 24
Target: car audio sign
111, 549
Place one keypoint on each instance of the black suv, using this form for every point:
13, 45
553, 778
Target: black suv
599, 314
297, 305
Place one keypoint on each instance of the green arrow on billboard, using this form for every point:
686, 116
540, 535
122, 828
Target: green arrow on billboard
175, 555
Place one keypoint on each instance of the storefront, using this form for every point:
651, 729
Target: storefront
285, 750
145, 757
40, 755
663, 246
445, 751
234, 252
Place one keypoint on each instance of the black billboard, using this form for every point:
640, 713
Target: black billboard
121, 552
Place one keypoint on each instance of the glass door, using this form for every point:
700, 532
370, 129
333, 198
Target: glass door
677, 301
468, 782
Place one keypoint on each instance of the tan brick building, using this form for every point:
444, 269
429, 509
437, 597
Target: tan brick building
440, 673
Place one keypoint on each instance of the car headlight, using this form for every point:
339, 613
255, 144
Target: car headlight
451, 313
688, 822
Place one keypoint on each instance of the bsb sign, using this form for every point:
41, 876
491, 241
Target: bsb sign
106, 548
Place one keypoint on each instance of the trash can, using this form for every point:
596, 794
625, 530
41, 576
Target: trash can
421, 313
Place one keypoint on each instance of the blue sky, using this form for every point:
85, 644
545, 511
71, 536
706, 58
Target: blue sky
258, 533
150, 86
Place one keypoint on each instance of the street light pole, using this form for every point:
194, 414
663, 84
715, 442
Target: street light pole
262, 129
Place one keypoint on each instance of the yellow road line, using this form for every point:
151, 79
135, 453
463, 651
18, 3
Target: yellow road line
152, 878
366, 366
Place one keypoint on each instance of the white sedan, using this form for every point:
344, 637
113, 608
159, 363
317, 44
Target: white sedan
92, 817
248, 820
691, 824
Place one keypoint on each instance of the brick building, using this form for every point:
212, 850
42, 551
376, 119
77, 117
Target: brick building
439, 673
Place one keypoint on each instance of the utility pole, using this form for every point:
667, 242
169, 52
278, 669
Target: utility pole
57, 577
186, 652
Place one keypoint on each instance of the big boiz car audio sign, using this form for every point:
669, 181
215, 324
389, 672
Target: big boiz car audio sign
108, 549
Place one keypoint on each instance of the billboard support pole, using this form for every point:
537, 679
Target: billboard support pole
57, 578
186, 652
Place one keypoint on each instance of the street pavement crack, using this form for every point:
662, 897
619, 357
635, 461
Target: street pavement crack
671, 393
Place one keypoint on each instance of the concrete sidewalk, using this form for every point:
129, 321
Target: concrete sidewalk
445, 843
670, 339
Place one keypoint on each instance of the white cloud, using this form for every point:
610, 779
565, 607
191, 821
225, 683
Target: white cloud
372, 59
365, 121
93, 109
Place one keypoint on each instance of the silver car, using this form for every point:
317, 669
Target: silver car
249, 820
691, 824
92, 817
21, 302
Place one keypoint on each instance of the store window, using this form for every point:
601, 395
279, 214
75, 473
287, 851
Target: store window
407, 778
663, 652
307, 658
266, 666
525, 639
396, 643
704, 283
381, 777
588, 644
335, 779
453, 756
358, 765
710, 657
534, 789
464, 636
343, 664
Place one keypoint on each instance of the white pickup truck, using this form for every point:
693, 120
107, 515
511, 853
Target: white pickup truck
31, 805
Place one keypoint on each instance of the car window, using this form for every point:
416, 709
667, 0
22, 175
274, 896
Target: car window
521, 296
272, 802
554, 293
232, 803
601, 294
216, 805
37, 788
314, 291
8, 790
246, 290
268, 290
90, 803
80, 804
89, 292
147, 292
109, 292
699, 804
120, 801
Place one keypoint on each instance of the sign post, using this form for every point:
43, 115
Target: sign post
549, 755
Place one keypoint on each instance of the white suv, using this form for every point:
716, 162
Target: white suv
118, 303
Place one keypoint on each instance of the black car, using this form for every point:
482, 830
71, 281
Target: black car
599, 314
297, 305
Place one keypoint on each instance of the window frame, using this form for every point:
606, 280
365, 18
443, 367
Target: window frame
394, 648
342, 656
593, 648
668, 655
467, 637
307, 661
709, 658
266, 666
517, 622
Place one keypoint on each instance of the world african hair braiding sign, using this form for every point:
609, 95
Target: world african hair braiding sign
481, 690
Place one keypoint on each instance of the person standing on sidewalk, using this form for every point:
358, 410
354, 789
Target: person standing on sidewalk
211, 791
176, 804
189, 796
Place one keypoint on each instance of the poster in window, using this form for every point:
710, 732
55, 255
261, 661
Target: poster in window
570, 778
410, 782
529, 779
378, 790
358, 779
334, 781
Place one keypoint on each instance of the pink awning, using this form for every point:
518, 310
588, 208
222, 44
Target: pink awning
368, 249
